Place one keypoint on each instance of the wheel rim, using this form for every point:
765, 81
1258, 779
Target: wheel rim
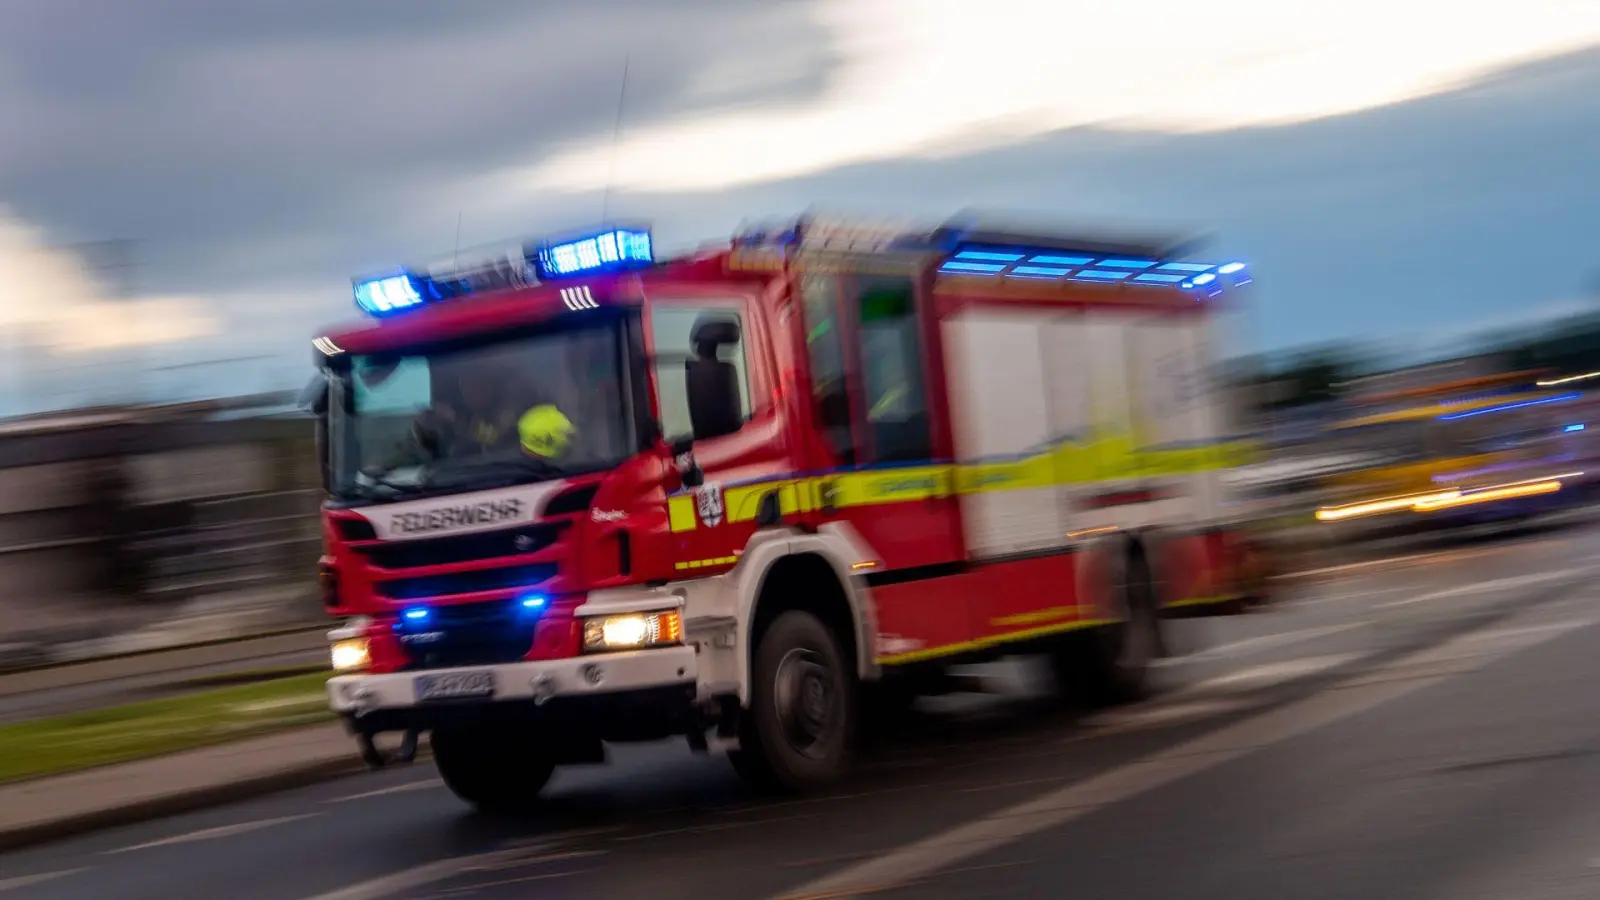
1137, 638
806, 700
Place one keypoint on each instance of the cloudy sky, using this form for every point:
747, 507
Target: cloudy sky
1406, 170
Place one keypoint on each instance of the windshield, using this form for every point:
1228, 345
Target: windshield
507, 410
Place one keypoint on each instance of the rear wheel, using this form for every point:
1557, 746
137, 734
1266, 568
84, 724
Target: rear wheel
498, 770
1111, 665
799, 730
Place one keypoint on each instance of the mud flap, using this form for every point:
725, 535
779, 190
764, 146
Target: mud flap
375, 758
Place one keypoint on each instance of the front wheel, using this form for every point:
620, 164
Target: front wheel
799, 731
498, 770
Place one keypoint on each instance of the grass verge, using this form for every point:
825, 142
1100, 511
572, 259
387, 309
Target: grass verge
68, 743
254, 676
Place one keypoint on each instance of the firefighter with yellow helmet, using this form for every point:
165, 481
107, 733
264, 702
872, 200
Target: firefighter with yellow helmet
482, 414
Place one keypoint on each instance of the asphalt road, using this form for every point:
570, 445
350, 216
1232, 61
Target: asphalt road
1422, 728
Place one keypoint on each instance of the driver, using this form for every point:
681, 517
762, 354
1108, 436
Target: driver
482, 415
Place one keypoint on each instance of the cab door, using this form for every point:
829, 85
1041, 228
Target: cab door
870, 382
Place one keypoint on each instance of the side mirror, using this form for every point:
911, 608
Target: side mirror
314, 400
314, 396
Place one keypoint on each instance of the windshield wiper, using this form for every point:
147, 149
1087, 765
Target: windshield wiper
493, 473
381, 487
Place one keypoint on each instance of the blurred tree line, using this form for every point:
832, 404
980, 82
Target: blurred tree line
1299, 378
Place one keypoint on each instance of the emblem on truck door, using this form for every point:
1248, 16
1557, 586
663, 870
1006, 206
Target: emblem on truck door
708, 504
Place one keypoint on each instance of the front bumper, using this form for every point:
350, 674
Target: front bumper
611, 693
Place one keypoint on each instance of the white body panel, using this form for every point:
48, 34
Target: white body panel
1026, 379
1002, 409
436, 517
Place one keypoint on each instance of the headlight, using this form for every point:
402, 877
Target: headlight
632, 631
351, 654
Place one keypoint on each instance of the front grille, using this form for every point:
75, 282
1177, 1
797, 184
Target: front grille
470, 634
462, 548
355, 530
508, 578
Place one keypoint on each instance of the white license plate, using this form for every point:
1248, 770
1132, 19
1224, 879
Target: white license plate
454, 686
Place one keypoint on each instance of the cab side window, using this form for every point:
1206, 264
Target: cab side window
825, 350
674, 330
898, 426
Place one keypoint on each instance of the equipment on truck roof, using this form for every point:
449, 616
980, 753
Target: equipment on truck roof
967, 251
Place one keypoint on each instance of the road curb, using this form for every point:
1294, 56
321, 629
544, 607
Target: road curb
161, 661
58, 664
179, 802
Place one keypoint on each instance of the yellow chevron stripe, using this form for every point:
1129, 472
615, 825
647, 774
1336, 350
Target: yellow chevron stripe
1202, 601
1108, 459
706, 563
1037, 617
993, 641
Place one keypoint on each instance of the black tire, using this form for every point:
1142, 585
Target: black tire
1111, 665
887, 710
799, 732
497, 770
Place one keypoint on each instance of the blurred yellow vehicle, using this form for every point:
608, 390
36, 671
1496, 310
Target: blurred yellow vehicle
1490, 449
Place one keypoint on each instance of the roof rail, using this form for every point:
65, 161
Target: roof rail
972, 228
962, 229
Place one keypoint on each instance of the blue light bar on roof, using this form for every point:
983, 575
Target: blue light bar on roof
388, 294
985, 254
1039, 263
615, 249
610, 251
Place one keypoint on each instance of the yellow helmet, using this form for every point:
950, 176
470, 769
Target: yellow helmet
544, 431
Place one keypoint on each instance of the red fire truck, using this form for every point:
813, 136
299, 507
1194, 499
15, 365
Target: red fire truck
582, 495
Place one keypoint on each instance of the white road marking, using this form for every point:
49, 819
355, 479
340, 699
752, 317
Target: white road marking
380, 792
1265, 641
1505, 634
521, 857
1369, 564
1355, 695
474, 888
432, 873
1491, 585
1277, 672
405, 880
1152, 715
721, 826
1346, 596
11, 884
211, 834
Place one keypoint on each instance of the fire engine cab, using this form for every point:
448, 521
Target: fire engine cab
580, 495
